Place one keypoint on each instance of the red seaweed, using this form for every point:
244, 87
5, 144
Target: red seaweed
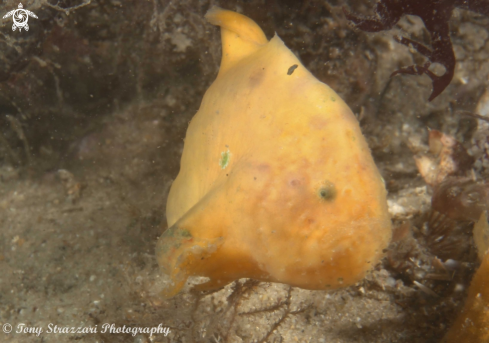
435, 15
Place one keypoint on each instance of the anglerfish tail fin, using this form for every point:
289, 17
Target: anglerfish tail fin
240, 35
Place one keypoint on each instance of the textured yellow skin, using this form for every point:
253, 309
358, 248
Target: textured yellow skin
299, 202
472, 325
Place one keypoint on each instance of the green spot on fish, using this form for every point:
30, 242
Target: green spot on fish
327, 192
224, 160
172, 239
185, 233
170, 232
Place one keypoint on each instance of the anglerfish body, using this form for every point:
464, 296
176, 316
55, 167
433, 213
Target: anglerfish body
277, 182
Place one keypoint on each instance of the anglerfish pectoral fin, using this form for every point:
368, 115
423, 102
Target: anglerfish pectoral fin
206, 241
179, 254
193, 243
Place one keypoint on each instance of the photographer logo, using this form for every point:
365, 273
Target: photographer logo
20, 17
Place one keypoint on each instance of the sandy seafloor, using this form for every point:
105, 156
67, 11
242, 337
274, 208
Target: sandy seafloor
94, 104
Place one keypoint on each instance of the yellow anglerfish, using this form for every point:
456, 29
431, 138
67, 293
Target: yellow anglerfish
276, 180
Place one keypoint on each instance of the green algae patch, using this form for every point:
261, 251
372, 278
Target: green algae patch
225, 158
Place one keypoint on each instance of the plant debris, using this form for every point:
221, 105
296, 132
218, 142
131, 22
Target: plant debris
446, 156
435, 15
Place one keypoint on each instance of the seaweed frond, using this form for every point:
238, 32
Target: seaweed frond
435, 15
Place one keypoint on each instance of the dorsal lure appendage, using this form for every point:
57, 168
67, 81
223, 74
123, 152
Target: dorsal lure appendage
240, 35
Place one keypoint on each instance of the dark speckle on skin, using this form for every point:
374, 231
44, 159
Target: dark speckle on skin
327, 192
291, 69
295, 182
256, 78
